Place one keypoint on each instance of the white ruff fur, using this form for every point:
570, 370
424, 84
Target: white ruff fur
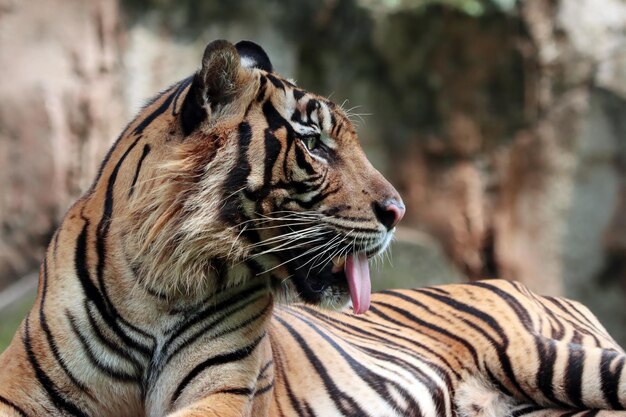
475, 397
181, 231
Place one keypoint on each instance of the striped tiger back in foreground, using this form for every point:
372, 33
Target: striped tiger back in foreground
491, 348
167, 289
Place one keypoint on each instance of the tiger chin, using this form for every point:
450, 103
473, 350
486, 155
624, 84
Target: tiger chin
235, 188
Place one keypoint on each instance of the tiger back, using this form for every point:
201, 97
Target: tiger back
207, 270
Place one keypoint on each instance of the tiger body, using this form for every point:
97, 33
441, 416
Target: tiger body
490, 348
166, 289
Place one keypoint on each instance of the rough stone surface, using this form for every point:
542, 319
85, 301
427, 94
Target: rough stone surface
532, 192
60, 106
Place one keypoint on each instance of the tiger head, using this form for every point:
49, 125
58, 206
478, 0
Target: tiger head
250, 177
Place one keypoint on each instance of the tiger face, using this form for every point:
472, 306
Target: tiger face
262, 180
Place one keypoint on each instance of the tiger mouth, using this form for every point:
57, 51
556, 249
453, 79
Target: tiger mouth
338, 262
329, 279
356, 270
341, 278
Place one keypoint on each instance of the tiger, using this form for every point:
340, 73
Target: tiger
210, 269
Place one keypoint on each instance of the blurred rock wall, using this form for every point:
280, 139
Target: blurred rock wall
501, 122
521, 175
60, 108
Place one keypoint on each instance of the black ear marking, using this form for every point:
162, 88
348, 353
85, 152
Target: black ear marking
192, 112
214, 84
253, 56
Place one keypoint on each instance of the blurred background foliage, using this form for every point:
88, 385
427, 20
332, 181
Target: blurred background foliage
500, 121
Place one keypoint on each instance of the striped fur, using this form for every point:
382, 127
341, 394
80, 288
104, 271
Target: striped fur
230, 191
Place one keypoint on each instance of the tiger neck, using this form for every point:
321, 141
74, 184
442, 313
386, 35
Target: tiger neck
231, 289
150, 332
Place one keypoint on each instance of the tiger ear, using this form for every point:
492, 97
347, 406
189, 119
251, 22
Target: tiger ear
215, 84
253, 56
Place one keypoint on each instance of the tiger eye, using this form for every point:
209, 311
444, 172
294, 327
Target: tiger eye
311, 142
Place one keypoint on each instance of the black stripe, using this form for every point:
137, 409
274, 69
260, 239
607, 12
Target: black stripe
224, 358
585, 318
193, 111
376, 382
275, 120
297, 117
203, 330
265, 368
311, 106
590, 413
262, 87
246, 392
347, 405
238, 177
156, 113
107, 157
12, 405
105, 221
519, 310
301, 161
272, 150
264, 389
262, 377
179, 91
438, 290
112, 149
544, 377
102, 232
526, 410
111, 345
470, 348
95, 359
308, 205
574, 374
277, 83
246, 322
298, 94
610, 379
48, 333
44, 380
55, 244
146, 151
546, 351
293, 400
94, 295
557, 327
496, 383
573, 321
83, 274
211, 310
460, 307
387, 341
309, 411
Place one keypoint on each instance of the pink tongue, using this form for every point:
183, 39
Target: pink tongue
357, 271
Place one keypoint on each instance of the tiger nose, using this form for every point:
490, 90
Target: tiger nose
389, 212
